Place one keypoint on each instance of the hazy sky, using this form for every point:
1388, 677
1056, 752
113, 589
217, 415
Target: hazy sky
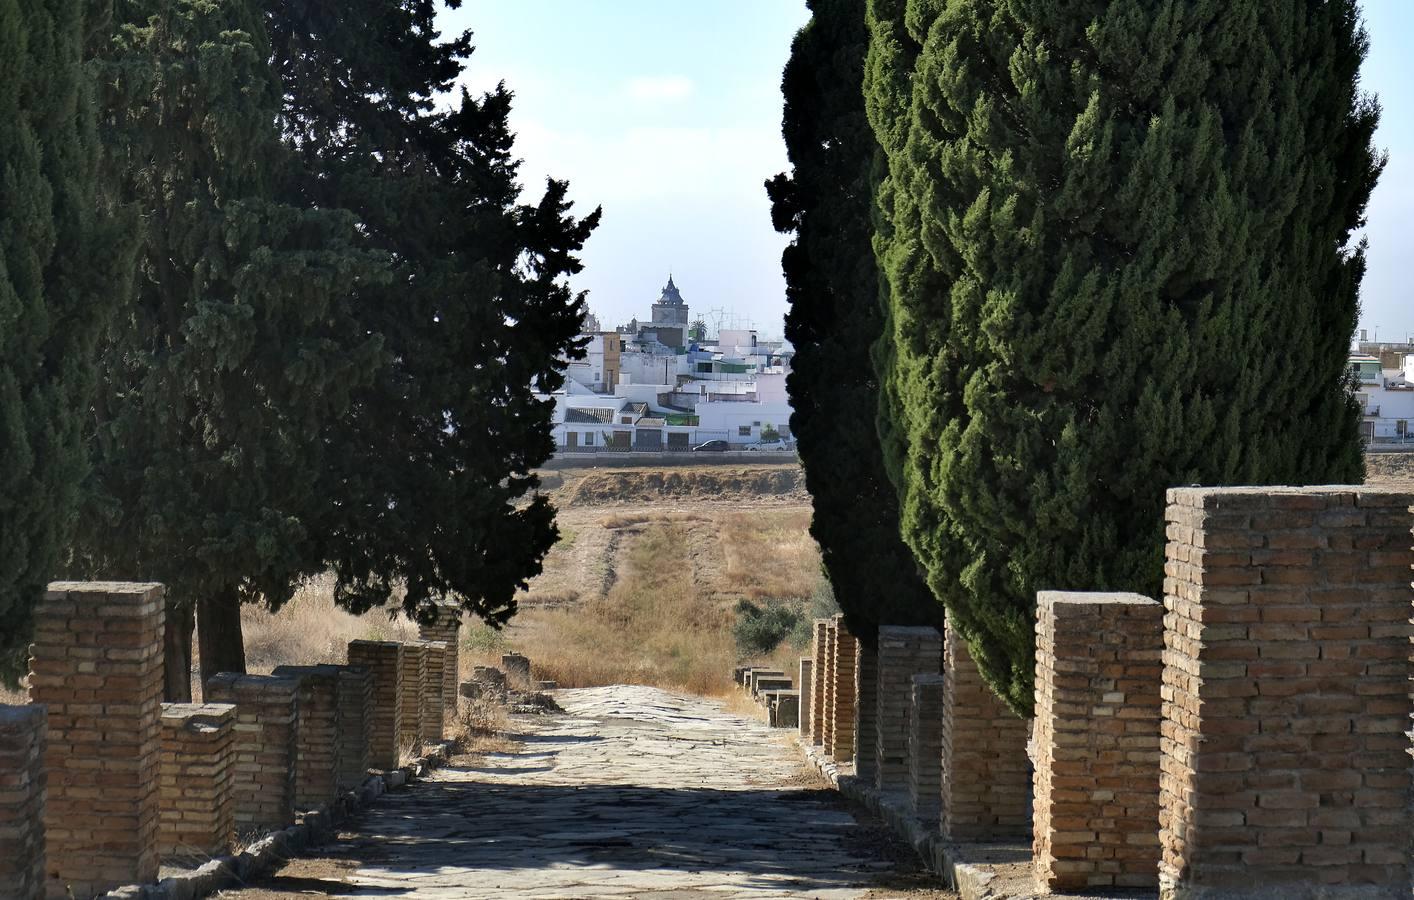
668, 114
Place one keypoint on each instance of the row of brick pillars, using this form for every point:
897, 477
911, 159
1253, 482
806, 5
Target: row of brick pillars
99, 780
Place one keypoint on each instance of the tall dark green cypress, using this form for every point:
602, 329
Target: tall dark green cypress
434, 464
64, 258
240, 344
1118, 238
832, 284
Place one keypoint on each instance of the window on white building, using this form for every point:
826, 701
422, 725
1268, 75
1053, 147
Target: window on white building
743, 431
589, 439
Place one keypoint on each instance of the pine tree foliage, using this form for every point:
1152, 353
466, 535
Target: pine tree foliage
64, 255
832, 284
1118, 240
434, 464
241, 343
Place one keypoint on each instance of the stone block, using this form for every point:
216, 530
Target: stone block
1284, 768
517, 668
757, 674
807, 686
267, 737
1096, 739
383, 661
96, 667
197, 788
22, 780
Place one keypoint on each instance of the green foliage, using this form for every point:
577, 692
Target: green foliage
1118, 241
759, 630
64, 258
832, 284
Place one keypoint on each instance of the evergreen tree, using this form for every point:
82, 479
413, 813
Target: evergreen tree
1118, 239
433, 465
63, 263
241, 343
832, 284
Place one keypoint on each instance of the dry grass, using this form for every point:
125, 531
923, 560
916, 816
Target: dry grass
770, 556
310, 629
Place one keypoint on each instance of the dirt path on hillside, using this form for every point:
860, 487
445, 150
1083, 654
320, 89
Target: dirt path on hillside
634, 792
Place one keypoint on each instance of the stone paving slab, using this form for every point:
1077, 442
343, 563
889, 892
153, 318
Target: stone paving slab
632, 792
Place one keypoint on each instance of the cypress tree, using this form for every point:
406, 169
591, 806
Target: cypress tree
63, 263
832, 285
1119, 245
240, 344
433, 465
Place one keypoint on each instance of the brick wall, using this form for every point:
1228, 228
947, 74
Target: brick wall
97, 668
827, 694
384, 662
866, 710
1286, 693
198, 815
317, 738
433, 711
22, 802
267, 724
842, 699
414, 681
1098, 674
355, 725
447, 629
807, 685
925, 745
817, 681
903, 652
986, 772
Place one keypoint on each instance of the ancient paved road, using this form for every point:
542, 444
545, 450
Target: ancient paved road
634, 792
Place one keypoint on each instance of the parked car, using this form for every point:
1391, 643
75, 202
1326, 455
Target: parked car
771, 445
712, 447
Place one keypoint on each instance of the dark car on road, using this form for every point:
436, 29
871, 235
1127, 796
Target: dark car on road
712, 447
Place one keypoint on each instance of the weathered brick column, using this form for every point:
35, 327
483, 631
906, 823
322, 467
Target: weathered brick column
866, 710
97, 668
986, 772
1098, 678
267, 727
414, 682
842, 699
198, 818
355, 725
903, 652
433, 711
925, 746
447, 629
517, 668
22, 801
1286, 693
807, 685
820, 653
384, 662
827, 695
318, 735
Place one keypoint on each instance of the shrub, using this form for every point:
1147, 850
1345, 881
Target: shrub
761, 629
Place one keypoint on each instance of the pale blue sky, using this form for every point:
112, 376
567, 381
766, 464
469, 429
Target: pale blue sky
668, 112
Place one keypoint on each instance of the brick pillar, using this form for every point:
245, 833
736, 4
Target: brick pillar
317, 744
447, 629
97, 667
384, 662
817, 681
355, 725
925, 746
1098, 675
866, 711
22, 801
903, 653
807, 684
1286, 693
517, 669
198, 818
842, 699
267, 725
827, 697
433, 712
414, 685
986, 772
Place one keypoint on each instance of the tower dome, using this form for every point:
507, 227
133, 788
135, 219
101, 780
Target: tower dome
670, 295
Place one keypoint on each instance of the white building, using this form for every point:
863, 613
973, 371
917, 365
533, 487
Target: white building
1386, 395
